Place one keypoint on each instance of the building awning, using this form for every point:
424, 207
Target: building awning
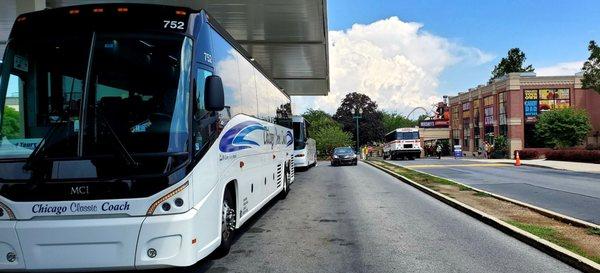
287, 38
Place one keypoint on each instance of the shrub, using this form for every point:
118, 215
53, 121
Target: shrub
590, 156
500, 147
527, 154
561, 128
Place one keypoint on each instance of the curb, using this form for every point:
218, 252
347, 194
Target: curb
556, 251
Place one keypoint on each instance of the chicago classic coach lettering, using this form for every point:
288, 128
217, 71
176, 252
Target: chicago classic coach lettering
77, 207
115, 207
47, 209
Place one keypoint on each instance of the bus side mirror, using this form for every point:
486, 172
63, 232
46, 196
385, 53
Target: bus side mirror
214, 97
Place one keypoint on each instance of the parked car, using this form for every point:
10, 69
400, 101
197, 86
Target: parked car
343, 156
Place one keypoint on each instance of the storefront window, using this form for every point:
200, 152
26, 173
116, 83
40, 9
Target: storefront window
455, 137
476, 122
466, 134
538, 101
502, 114
488, 117
455, 124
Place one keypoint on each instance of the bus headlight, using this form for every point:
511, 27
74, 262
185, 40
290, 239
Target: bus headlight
172, 202
6, 213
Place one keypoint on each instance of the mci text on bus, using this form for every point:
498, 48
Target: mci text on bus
142, 136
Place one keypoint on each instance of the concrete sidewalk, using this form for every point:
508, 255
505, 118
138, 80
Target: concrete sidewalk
559, 165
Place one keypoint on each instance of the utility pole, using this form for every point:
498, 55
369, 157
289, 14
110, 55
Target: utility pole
357, 115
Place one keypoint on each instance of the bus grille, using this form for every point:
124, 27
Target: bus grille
408, 145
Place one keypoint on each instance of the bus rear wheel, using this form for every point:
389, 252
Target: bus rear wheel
286, 185
227, 225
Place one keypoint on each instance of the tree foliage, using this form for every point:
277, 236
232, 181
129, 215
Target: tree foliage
327, 132
561, 128
421, 118
512, 63
370, 125
591, 68
393, 121
319, 119
330, 137
10, 123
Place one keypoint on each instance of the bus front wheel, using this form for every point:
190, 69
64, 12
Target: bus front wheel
227, 225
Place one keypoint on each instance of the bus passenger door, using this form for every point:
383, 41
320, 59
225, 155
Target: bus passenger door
204, 133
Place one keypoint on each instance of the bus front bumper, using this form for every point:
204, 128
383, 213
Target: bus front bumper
119, 243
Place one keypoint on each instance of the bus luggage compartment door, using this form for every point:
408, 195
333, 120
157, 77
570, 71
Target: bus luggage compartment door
107, 243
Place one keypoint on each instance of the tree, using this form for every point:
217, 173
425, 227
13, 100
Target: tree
421, 118
319, 119
512, 63
330, 137
371, 124
10, 123
566, 127
327, 132
393, 121
591, 68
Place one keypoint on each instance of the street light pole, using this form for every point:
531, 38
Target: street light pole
357, 116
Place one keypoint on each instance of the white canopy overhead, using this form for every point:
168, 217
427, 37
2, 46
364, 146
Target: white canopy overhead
288, 38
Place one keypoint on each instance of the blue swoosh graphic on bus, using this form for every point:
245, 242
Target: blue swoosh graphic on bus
290, 138
234, 139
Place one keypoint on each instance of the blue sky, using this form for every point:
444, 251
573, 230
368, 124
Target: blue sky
406, 54
549, 32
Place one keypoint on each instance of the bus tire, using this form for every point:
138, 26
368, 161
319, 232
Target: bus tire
227, 225
286, 185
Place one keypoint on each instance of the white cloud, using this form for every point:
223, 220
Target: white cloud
395, 63
560, 69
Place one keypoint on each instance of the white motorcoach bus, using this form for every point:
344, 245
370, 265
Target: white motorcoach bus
143, 138
401, 143
305, 148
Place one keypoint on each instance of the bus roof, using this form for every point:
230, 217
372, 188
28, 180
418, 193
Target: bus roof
406, 129
299, 118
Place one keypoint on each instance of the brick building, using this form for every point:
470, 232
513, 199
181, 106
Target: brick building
510, 105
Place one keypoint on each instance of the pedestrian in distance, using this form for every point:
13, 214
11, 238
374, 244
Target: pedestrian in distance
486, 147
481, 149
438, 150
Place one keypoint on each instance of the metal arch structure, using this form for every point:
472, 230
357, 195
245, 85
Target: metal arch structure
288, 38
417, 108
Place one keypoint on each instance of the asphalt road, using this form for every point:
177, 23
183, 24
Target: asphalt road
359, 219
576, 194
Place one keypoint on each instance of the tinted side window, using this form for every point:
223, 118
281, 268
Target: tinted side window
248, 86
226, 66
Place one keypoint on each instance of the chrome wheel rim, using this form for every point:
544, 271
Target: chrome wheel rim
227, 221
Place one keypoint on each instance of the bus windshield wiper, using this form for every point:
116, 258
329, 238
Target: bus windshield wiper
37, 151
121, 148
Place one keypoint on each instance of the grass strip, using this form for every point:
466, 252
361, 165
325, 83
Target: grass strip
550, 234
546, 233
593, 231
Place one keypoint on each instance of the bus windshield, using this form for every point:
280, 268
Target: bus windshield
299, 135
82, 94
407, 135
